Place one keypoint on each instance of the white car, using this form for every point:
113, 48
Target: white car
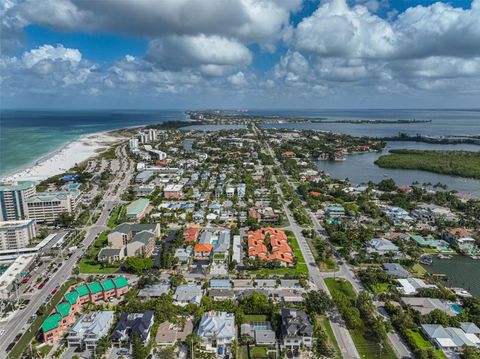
2, 331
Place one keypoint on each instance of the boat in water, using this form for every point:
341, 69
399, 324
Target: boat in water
426, 260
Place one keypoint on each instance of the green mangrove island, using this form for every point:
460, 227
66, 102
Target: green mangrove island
456, 163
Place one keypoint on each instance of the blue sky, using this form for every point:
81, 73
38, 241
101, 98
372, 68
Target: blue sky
240, 53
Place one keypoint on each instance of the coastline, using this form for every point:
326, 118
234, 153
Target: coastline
64, 158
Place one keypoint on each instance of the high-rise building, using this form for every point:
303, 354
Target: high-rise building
16, 234
148, 136
13, 196
133, 144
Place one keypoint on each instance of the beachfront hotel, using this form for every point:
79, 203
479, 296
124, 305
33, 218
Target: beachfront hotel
47, 206
13, 197
16, 234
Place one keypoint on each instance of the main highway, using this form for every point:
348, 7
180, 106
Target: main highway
18, 323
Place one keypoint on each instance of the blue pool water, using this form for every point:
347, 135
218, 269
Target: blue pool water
456, 308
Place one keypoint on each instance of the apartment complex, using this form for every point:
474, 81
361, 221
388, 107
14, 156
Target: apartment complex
63, 315
130, 240
13, 198
47, 206
16, 234
270, 244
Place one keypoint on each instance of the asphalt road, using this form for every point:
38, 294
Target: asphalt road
111, 200
342, 335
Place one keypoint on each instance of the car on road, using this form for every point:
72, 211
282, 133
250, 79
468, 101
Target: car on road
53, 291
2, 332
18, 336
10, 346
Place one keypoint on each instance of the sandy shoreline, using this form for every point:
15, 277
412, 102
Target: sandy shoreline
64, 158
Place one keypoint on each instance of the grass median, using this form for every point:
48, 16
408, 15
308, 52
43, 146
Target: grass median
27, 337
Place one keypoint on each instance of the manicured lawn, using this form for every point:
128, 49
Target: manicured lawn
91, 266
300, 268
325, 323
423, 343
369, 348
254, 318
112, 221
258, 352
341, 285
23, 342
418, 270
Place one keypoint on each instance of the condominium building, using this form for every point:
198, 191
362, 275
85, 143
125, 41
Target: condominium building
133, 144
13, 197
47, 206
147, 136
89, 329
16, 234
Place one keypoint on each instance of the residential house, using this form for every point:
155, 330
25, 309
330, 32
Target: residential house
261, 332
190, 235
131, 324
296, 329
428, 305
188, 294
382, 247
183, 254
410, 286
449, 339
171, 333
217, 331
154, 291
202, 250
396, 270
174, 191
89, 329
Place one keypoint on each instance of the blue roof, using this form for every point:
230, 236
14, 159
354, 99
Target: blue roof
220, 283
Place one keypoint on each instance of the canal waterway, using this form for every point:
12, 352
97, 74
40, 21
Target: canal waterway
461, 271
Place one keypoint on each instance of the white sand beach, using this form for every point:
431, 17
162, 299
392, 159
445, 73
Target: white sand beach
64, 158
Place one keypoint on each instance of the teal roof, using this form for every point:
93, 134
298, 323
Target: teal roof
22, 185
121, 282
95, 287
64, 308
82, 290
51, 322
108, 284
137, 206
71, 297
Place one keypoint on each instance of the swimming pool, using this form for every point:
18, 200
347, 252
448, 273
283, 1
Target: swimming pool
456, 308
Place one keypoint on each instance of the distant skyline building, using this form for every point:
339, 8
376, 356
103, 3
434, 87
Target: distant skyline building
13, 197
148, 136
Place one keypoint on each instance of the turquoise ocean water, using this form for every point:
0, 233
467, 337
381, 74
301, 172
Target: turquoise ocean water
27, 136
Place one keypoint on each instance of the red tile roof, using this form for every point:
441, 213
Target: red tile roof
281, 250
202, 247
191, 234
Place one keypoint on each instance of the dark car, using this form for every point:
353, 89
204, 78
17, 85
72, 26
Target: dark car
18, 336
10, 346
